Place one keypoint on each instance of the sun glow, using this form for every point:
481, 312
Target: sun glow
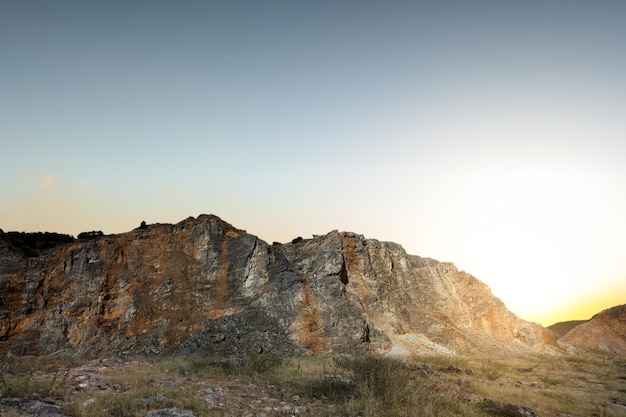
534, 238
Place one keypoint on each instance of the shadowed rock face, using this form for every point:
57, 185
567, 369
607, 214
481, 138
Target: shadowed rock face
204, 286
605, 331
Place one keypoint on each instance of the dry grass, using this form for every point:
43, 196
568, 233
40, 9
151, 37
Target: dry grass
35, 377
550, 385
440, 386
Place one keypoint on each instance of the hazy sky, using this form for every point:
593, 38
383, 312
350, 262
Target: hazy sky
491, 134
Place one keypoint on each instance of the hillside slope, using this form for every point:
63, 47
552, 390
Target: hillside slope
605, 331
204, 286
564, 327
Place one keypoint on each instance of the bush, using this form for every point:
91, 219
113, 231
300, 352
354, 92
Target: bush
90, 235
31, 244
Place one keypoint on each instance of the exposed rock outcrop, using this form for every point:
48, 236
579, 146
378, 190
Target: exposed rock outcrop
204, 286
30, 407
606, 331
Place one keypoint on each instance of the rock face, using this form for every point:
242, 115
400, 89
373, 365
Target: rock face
605, 331
204, 286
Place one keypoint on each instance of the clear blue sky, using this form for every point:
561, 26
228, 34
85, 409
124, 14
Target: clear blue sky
486, 133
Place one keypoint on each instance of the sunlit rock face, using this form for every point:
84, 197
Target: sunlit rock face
606, 331
203, 286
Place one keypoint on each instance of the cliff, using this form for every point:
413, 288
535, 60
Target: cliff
204, 286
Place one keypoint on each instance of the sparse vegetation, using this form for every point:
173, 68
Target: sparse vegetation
90, 235
34, 378
32, 244
260, 384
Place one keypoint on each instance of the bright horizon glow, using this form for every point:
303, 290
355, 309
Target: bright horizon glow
490, 135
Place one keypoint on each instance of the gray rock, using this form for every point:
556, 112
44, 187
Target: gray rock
211, 395
508, 410
33, 407
169, 412
159, 399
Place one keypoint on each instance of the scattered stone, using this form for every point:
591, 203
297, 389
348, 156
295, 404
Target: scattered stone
338, 378
159, 399
211, 395
88, 402
422, 368
160, 382
456, 370
33, 407
169, 412
508, 410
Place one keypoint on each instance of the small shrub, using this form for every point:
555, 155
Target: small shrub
106, 406
331, 388
124, 406
260, 363
249, 364
90, 235
386, 387
195, 366
18, 379
28, 388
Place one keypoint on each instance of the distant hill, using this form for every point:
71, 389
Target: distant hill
606, 331
564, 327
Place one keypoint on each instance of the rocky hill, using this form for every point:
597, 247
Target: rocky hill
606, 331
203, 285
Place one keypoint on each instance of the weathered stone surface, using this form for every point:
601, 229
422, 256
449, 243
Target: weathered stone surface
31, 407
606, 331
204, 286
508, 410
169, 412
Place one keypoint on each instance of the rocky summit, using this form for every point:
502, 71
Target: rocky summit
204, 286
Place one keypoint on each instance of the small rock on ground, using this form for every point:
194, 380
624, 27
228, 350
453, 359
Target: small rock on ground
169, 412
32, 407
508, 410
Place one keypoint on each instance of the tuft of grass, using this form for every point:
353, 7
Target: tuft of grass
29, 388
24, 378
124, 405
251, 364
135, 403
391, 387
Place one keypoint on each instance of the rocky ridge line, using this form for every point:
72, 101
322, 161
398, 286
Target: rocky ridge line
203, 285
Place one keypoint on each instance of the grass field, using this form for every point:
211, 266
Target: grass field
261, 385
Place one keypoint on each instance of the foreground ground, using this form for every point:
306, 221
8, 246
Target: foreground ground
264, 386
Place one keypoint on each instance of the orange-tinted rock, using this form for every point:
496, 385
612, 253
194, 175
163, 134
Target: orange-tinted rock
204, 286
